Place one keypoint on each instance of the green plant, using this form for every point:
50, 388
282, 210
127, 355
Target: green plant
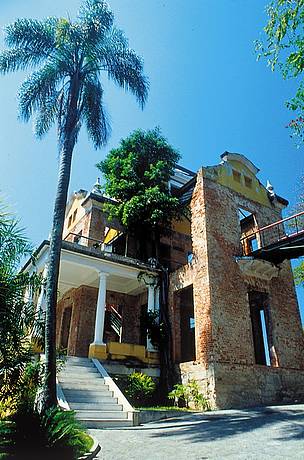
283, 48
187, 394
140, 388
31, 435
19, 324
137, 175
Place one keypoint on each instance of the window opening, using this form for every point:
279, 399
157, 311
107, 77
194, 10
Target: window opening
248, 228
189, 257
74, 215
259, 313
248, 182
236, 176
187, 324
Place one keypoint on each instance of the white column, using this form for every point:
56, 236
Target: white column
100, 309
151, 306
41, 299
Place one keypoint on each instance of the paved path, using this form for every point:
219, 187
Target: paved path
264, 433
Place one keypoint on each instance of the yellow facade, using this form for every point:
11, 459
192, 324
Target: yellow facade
236, 175
75, 213
98, 351
121, 351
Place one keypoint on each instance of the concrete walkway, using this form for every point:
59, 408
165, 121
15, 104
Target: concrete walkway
262, 433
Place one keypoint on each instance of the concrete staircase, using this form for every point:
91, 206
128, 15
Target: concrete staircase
92, 394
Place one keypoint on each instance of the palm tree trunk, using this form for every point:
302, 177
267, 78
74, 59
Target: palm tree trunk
69, 135
49, 397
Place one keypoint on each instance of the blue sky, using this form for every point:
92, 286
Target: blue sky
208, 94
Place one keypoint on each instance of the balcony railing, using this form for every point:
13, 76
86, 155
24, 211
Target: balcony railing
88, 242
287, 228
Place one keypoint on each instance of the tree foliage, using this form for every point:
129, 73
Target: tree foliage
19, 324
283, 47
137, 175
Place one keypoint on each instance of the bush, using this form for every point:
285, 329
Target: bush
30, 435
21, 396
140, 388
184, 395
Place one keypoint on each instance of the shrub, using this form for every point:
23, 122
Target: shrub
140, 388
30, 435
184, 395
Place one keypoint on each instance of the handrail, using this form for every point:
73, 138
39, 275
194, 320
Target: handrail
117, 393
279, 225
113, 309
274, 224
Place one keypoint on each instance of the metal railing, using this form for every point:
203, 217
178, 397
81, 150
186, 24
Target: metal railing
115, 320
278, 231
87, 241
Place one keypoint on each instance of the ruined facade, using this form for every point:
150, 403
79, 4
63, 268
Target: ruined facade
232, 293
235, 320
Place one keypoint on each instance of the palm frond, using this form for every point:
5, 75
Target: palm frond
31, 33
18, 59
38, 88
123, 65
47, 114
94, 112
96, 19
13, 244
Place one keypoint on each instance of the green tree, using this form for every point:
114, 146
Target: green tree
66, 89
19, 324
137, 175
283, 47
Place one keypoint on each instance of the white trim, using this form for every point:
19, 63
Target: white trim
61, 397
100, 265
116, 392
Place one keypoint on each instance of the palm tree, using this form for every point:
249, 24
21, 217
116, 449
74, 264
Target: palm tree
67, 90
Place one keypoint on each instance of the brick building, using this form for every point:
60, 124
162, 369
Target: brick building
235, 320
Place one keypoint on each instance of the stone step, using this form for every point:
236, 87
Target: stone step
101, 414
85, 386
89, 373
82, 379
107, 406
75, 361
88, 395
109, 423
93, 397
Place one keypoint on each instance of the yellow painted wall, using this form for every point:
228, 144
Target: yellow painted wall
76, 205
182, 226
223, 174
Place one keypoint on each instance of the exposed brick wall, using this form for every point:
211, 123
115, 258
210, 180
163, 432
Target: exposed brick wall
83, 225
224, 340
97, 224
83, 301
288, 333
